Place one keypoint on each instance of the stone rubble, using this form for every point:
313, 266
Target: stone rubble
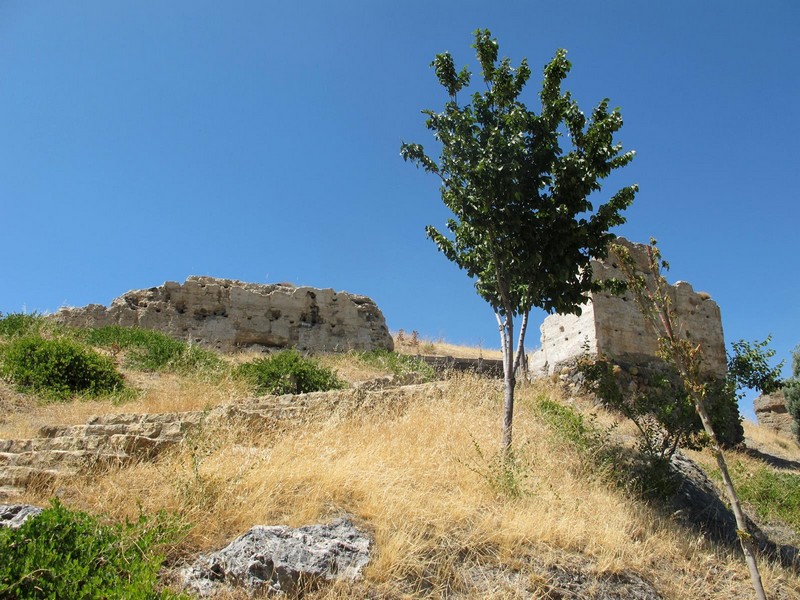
14, 515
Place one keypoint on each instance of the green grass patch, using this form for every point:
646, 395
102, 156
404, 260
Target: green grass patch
58, 369
288, 372
149, 350
397, 364
775, 495
68, 554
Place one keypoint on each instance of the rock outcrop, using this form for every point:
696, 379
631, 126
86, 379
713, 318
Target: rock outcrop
282, 560
613, 326
771, 412
228, 314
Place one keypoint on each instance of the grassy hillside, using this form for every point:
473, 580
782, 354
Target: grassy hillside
423, 476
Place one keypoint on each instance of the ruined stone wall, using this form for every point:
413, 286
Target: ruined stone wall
613, 325
228, 314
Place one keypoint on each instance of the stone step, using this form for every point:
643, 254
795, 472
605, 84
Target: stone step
58, 459
19, 476
9, 492
174, 429
91, 443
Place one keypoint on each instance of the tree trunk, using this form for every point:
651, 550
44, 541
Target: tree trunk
509, 380
521, 361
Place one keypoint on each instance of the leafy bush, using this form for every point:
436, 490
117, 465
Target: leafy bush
58, 368
571, 426
150, 350
288, 372
397, 364
506, 473
68, 554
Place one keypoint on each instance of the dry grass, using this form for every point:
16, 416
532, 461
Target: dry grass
21, 416
420, 477
769, 441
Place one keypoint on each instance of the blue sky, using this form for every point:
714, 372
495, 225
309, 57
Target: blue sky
146, 141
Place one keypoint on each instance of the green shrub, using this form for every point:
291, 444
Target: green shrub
570, 425
288, 372
58, 368
20, 324
150, 350
397, 364
68, 554
508, 473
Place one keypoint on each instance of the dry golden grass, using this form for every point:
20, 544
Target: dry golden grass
421, 478
770, 441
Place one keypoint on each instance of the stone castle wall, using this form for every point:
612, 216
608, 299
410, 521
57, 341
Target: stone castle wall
613, 325
228, 314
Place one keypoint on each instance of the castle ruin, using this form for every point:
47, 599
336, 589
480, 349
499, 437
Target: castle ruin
613, 326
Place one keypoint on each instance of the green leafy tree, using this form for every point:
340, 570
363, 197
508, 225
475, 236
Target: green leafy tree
519, 186
748, 367
791, 392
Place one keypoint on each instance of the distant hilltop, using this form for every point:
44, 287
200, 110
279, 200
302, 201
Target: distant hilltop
227, 315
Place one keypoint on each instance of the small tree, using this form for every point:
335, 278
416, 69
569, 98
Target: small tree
655, 302
664, 412
523, 225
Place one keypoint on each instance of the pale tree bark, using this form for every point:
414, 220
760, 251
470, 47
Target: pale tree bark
521, 361
506, 325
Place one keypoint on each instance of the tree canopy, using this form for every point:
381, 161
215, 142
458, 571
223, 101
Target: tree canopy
524, 225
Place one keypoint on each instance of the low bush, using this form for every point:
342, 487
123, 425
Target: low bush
569, 425
58, 368
150, 350
68, 554
288, 372
397, 364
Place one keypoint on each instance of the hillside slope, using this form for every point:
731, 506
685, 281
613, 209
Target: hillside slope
418, 468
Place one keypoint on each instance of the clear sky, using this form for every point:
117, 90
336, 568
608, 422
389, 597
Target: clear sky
145, 141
